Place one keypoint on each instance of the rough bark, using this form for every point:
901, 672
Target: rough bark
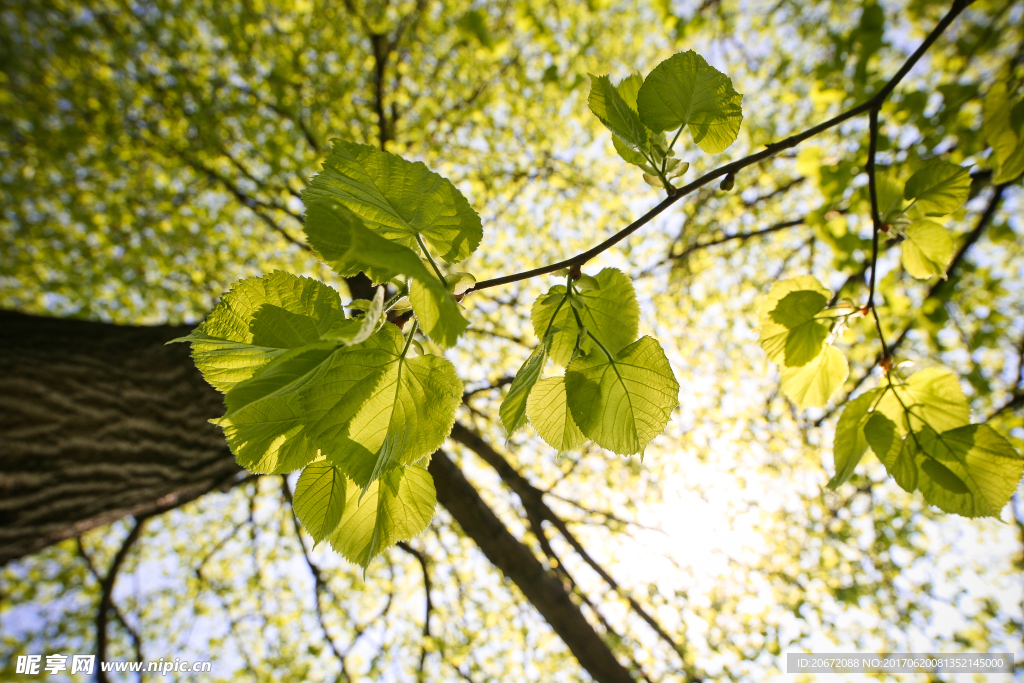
99, 421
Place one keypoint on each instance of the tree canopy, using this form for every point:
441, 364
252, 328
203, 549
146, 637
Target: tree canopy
708, 316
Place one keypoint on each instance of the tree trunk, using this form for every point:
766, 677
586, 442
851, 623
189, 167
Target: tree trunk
98, 421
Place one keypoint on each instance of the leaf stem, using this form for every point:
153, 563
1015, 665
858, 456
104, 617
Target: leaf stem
390, 303
426, 252
876, 222
553, 315
664, 162
408, 340
579, 323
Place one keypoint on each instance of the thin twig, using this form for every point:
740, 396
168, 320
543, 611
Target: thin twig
972, 237
742, 236
735, 166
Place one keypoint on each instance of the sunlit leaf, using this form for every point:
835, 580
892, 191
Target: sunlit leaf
813, 384
319, 499
611, 314
437, 312
625, 401
549, 414
889, 192
849, 444
257, 321
617, 116
880, 433
931, 397
398, 199
394, 508
513, 408
927, 249
970, 470
375, 409
684, 90
790, 333
350, 247
938, 187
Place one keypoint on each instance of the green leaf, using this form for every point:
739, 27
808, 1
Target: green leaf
849, 444
375, 409
352, 333
999, 132
586, 283
900, 464
257, 321
927, 249
276, 327
625, 401
629, 88
394, 508
790, 334
1004, 132
513, 408
617, 116
459, 283
685, 91
437, 312
398, 199
279, 374
889, 192
264, 425
813, 384
933, 398
628, 155
880, 433
349, 247
1012, 167
319, 499
938, 187
549, 414
611, 314
970, 470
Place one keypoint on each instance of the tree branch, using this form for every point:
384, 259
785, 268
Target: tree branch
971, 238
544, 591
319, 585
422, 559
735, 166
136, 640
107, 597
742, 236
533, 500
876, 228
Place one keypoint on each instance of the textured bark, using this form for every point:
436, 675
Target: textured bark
97, 422
542, 588
100, 421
